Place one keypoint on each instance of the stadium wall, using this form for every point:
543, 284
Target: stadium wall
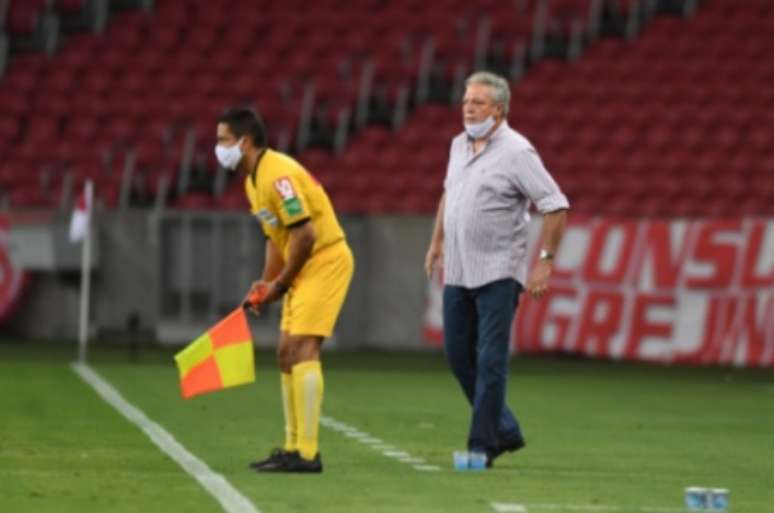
696, 292
170, 277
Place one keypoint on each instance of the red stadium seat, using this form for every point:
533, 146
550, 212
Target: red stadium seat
233, 199
42, 130
23, 17
195, 200
9, 130
31, 196
71, 6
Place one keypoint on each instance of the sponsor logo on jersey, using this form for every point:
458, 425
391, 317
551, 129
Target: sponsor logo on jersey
290, 201
267, 217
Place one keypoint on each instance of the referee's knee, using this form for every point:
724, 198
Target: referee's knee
295, 349
285, 357
305, 348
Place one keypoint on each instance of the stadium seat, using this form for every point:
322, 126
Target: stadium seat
71, 6
23, 17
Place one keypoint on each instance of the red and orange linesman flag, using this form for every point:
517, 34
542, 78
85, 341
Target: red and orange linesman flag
221, 358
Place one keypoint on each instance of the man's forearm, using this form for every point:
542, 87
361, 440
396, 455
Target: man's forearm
273, 262
553, 229
300, 244
437, 238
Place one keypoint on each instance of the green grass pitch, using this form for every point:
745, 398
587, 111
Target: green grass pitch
600, 435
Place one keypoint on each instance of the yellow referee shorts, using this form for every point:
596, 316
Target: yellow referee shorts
314, 301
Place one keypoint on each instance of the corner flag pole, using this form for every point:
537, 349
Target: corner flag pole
83, 322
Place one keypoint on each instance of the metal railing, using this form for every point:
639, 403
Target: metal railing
365, 89
207, 261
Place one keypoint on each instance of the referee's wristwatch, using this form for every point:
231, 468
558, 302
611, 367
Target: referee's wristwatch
546, 255
280, 287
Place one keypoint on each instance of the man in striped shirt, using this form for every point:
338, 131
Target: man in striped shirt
480, 239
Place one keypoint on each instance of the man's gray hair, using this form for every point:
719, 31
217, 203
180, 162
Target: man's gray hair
501, 91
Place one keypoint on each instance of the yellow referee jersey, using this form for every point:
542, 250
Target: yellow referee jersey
283, 194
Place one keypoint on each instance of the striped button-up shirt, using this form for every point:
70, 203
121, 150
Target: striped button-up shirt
487, 207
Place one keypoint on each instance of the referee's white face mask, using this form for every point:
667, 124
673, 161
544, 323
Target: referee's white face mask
229, 156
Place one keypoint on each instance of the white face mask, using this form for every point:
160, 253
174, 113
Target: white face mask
229, 156
479, 130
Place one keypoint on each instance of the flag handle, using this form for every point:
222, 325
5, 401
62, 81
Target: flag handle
83, 321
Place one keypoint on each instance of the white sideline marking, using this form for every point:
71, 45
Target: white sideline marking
396, 454
378, 444
511, 507
427, 468
576, 507
603, 507
217, 485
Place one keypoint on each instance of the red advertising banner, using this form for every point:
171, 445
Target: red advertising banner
691, 292
12, 281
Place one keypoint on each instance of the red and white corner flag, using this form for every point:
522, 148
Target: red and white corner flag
79, 223
79, 231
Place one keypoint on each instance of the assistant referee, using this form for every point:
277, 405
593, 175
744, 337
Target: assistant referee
308, 265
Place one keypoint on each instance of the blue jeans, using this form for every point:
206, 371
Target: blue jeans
477, 327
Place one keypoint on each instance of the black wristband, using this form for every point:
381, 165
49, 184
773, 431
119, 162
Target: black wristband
280, 287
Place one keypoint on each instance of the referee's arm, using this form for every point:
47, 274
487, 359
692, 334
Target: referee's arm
301, 241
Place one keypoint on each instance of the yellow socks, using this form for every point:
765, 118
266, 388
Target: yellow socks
288, 407
307, 400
